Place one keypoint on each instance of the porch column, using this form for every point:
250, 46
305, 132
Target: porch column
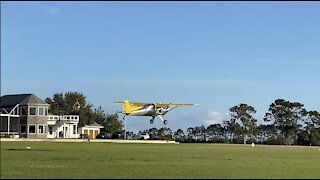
63, 130
69, 129
8, 124
76, 131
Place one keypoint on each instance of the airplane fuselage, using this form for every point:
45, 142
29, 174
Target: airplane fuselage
148, 110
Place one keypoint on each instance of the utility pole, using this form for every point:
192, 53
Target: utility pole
125, 128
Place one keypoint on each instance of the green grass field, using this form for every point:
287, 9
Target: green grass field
115, 160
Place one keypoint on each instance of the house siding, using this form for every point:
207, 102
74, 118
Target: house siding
37, 120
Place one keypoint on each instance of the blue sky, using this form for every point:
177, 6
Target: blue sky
217, 54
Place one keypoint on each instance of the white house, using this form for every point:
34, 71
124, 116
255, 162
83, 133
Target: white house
65, 126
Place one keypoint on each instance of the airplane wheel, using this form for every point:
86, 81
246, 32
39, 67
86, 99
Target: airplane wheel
151, 121
165, 122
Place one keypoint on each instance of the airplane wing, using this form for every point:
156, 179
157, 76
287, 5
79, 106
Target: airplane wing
132, 103
157, 104
119, 102
138, 103
173, 105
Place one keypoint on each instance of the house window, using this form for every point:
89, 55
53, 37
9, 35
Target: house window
46, 111
74, 129
32, 111
41, 129
23, 111
41, 111
32, 129
23, 129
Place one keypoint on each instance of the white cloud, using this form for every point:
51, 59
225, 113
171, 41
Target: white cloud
207, 118
212, 117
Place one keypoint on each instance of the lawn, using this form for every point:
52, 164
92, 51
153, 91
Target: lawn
115, 160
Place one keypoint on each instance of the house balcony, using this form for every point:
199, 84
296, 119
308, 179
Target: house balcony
52, 119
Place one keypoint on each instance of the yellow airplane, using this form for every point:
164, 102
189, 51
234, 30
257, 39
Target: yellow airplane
148, 109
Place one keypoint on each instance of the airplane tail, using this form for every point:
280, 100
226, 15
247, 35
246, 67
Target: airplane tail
126, 107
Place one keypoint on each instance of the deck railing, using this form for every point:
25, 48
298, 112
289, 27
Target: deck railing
63, 118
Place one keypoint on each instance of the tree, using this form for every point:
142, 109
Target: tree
216, 133
57, 104
268, 134
312, 128
201, 133
230, 129
243, 113
179, 135
197, 133
165, 133
86, 116
71, 98
191, 134
113, 124
100, 117
153, 133
285, 116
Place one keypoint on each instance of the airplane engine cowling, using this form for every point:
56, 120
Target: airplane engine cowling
159, 110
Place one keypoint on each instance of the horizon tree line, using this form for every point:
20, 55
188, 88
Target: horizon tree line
286, 123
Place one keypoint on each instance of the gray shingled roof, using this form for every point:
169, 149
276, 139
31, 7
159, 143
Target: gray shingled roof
22, 99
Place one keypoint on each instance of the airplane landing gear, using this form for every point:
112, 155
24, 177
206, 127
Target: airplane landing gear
165, 122
152, 120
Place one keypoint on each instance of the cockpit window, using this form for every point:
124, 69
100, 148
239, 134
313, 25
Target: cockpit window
146, 106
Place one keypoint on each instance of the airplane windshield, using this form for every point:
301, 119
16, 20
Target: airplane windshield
146, 106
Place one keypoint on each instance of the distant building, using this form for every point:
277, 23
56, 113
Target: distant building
91, 130
26, 115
